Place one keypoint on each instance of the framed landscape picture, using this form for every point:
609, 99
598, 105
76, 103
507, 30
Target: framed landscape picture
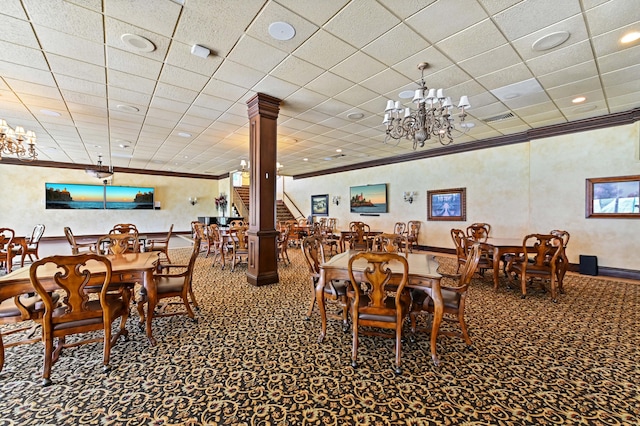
320, 205
447, 204
613, 197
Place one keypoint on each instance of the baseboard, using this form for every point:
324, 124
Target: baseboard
604, 271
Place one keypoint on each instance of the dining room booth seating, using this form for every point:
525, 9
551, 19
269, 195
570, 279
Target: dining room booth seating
8, 249
542, 260
378, 301
174, 285
334, 291
76, 246
454, 298
32, 244
79, 313
413, 232
161, 245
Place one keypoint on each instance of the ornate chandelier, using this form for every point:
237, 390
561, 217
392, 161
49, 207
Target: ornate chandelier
432, 119
12, 142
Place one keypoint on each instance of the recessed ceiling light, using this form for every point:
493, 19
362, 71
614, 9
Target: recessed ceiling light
467, 125
578, 100
127, 108
137, 43
338, 150
585, 108
355, 115
281, 31
630, 37
406, 94
550, 41
122, 145
305, 159
184, 135
50, 113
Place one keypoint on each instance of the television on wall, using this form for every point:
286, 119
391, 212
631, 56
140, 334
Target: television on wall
368, 198
98, 197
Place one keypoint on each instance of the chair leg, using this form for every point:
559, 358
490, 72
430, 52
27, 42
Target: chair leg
398, 347
313, 301
193, 298
354, 350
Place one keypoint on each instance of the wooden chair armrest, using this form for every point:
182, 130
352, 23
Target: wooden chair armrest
182, 274
171, 265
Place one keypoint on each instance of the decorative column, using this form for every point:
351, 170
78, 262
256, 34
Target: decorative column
263, 257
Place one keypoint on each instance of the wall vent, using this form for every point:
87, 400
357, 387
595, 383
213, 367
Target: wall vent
498, 117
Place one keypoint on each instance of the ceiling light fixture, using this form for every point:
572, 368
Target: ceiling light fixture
630, 37
184, 135
12, 142
137, 43
550, 41
100, 171
281, 31
578, 100
433, 117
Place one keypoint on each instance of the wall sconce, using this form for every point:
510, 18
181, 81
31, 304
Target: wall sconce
409, 196
193, 200
336, 199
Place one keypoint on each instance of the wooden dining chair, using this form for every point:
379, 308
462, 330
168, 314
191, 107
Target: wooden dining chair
541, 260
239, 247
563, 261
80, 313
129, 229
334, 292
479, 231
454, 298
173, 285
32, 244
413, 232
161, 245
360, 236
8, 249
399, 228
118, 244
282, 244
77, 247
22, 308
392, 243
216, 245
378, 300
460, 244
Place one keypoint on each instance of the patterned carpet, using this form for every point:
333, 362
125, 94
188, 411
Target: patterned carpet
252, 359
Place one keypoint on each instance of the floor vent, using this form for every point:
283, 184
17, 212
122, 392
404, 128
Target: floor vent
498, 117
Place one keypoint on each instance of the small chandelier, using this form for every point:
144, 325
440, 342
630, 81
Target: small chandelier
12, 142
432, 119
100, 172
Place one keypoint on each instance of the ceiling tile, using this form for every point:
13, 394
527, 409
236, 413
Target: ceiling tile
426, 21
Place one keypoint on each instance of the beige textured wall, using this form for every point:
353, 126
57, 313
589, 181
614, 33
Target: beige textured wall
518, 189
22, 191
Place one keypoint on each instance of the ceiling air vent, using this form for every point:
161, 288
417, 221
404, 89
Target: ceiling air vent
498, 117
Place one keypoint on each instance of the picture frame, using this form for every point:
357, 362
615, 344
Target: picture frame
613, 197
447, 204
320, 205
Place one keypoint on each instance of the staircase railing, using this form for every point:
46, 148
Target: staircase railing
238, 202
288, 201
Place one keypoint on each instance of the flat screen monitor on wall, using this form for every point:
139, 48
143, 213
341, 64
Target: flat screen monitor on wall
98, 197
368, 198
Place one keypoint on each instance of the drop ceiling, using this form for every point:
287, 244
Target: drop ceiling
67, 72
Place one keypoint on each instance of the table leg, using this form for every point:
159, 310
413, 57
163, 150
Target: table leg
496, 266
152, 301
438, 312
321, 307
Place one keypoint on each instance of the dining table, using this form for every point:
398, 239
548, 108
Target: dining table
126, 268
423, 275
501, 247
